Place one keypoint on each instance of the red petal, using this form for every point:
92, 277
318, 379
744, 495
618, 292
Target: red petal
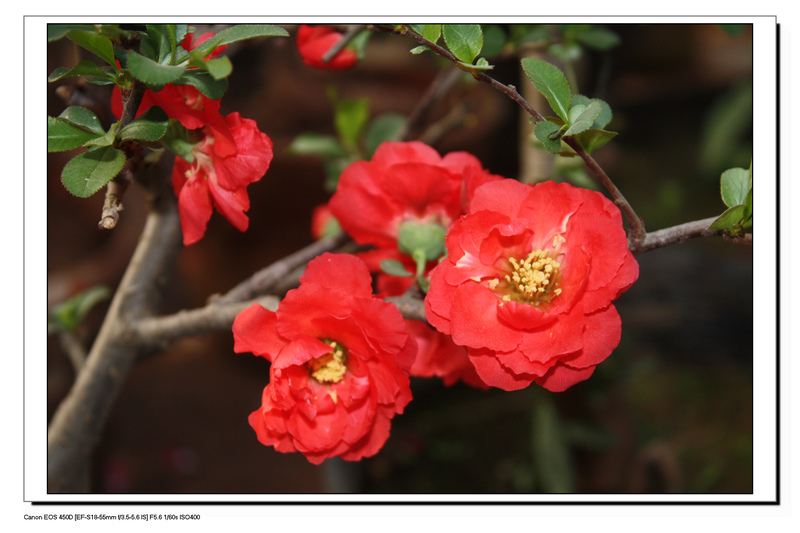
194, 208
496, 375
474, 321
254, 331
344, 273
299, 351
562, 377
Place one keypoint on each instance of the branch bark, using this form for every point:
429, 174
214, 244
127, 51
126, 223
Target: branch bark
81, 416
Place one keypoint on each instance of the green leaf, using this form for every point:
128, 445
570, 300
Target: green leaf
350, 117
605, 114
598, 38
93, 72
151, 72
100, 45
205, 83
85, 174
729, 219
425, 239
419, 49
734, 185
494, 39
62, 136
67, 316
583, 117
315, 144
240, 33
151, 126
551, 82
464, 40
81, 117
543, 130
432, 32
595, 138
218, 67
59, 31
551, 454
383, 128
748, 209
394, 267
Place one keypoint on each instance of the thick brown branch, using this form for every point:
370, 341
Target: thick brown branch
78, 421
112, 205
155, 330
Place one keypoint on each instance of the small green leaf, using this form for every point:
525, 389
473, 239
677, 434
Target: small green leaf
100, 45
62, 136
151, 126
59, 31
241, 32
205, 83
383, 128
464, 40
552, 83
419, 49
82, 118
729, 219
67, 316
605, 114
432, 32
598, 38
218, 67
151, 72
90, 69
543, 131
595, 138
85, 174
316, 144
583, 118
350, 117
107, 139
734, 185
395, 268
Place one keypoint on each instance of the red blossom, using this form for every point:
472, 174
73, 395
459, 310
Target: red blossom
404, 182
529, 281
339, 363
439, 356
314, 41
220, 178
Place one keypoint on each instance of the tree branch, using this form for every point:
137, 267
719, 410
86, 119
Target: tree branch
81, 416
682, 233
348, 36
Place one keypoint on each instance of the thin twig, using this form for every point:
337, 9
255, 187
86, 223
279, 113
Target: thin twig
440, 85
682, 233
112, 204
74, 348
265, 279
348, 36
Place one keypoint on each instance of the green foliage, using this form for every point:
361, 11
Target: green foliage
85, 174
151, 126
395, 268
350, 117
92, 71
581, 117
551, 453
548, 134
67, 316
465, 41
151, 71
98, 44
727, 130
550, 81
62, 136
316, 144
386, 127
242, 32
205, 83
736, 189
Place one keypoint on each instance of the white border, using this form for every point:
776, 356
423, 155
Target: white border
764, 253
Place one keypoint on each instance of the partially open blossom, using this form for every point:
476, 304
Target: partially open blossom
339, 363
314, 41
220, 177
529, 281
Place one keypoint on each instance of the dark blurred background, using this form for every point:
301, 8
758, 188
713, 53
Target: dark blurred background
670, 411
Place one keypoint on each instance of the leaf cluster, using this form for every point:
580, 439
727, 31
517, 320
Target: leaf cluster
154, 57
736, 189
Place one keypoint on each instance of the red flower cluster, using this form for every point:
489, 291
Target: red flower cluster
339, 363
314, 41
528, 283
231, 154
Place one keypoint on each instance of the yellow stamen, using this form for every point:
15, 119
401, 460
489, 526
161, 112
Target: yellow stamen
533, 280
331, 367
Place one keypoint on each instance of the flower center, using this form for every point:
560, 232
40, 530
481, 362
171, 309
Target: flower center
331, 367
533, 280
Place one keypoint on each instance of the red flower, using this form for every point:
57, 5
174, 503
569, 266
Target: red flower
338, 359
404, 183
323, 224
314, 41
528, 283
438, 355
219, 177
